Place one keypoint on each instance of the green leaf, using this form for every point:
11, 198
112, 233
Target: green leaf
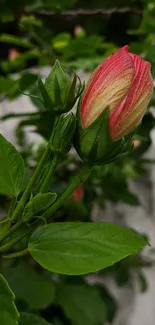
30, 319
61, 41
29, 285
27, 21
8, 311
82, 304
5, 84
79, 248
11, 168
12, 88
11, 39
38, 203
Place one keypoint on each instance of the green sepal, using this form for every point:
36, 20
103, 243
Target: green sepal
92, 142
80, 89
63, 133
47, 101
95, 145
70, 95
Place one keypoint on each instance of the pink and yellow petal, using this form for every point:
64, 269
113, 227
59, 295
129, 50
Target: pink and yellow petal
132, 109
108, 85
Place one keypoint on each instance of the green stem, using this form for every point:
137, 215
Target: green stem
11, 230
12, 242
77, 181
7, 246
6, 225
12, 207
50, 172
28, 189
42, 189
16, 254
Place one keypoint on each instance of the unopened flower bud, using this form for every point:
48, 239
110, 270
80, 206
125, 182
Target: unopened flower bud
59, 91
13, 54
79, 32
63, 133
113, 105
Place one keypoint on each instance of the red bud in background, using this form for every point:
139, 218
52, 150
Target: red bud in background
79, 32
13, 54
78, 193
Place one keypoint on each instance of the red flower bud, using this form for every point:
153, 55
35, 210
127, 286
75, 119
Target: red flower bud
78, 193
123, 83
13, 54
79, 32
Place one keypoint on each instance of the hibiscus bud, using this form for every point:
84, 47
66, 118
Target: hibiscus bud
58, 92
123, 84
63, 133
78, 193
79, 32
13, 54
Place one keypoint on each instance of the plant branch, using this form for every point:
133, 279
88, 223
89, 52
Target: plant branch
50, 172
16, 254
90, 12
11, 230
34, 178
77, 181
80, 178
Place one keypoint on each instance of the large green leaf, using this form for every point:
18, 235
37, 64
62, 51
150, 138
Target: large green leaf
8, 311
11, 168
30, 319
79, 248
29, 285
83, 306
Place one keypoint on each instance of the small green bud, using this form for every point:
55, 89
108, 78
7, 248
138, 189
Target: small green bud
57, 84
58, 92
63, 133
